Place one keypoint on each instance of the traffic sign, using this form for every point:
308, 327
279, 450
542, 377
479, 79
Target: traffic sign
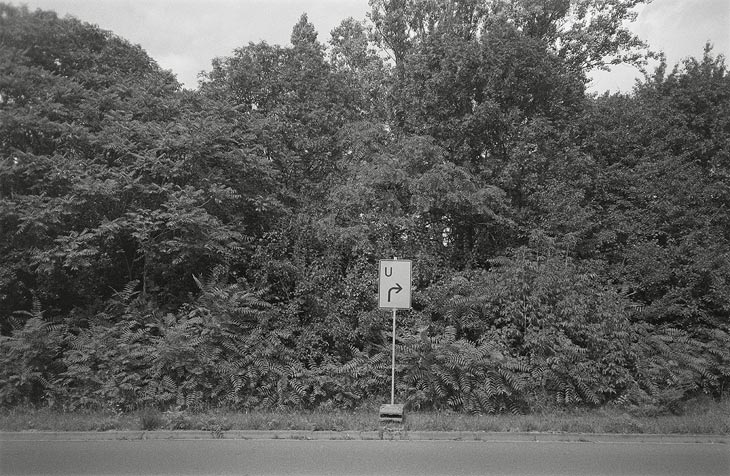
394, 284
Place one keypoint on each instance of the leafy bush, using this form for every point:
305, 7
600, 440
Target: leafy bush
442, 372
562, 259
30, 360
558, 326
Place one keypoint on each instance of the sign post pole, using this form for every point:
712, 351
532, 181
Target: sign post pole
392, 366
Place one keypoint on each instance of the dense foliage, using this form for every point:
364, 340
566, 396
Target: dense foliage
168, 248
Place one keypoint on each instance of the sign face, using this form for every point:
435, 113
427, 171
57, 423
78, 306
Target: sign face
394, 284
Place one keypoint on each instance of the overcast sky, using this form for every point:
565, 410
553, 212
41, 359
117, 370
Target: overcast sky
185, 35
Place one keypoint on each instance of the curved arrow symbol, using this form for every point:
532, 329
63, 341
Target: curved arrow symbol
397, 288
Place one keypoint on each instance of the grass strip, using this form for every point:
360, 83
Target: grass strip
700, 417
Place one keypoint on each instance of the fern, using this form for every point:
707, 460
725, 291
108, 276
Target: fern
30, 360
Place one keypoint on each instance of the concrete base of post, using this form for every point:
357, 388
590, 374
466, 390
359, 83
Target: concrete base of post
392, 413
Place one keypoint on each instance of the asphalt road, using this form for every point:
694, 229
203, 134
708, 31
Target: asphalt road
361, 457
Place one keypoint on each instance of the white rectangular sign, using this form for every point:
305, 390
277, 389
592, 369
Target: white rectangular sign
394, 284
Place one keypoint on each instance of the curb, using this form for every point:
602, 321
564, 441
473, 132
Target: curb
385, 434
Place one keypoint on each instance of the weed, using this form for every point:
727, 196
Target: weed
704, 416
178, 420
150, 419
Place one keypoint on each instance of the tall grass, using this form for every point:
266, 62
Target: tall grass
703, 416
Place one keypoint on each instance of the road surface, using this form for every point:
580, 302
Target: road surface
296, 457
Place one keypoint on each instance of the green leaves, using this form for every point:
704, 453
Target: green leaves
219, 246
442, 371
30, 360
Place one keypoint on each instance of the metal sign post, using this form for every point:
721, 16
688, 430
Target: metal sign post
392, 366
394, 292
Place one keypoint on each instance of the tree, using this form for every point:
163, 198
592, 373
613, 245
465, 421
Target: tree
353, 56
119, 176
54, 179
661, 192
295, 104
664, 189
